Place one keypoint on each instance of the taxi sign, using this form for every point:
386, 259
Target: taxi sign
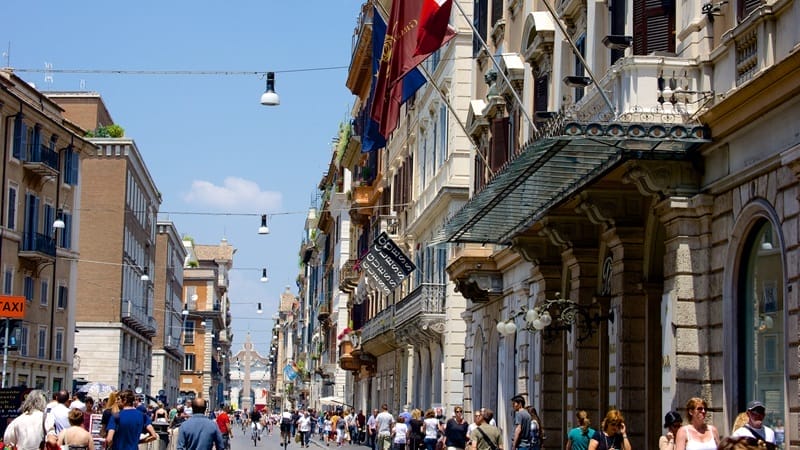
12, 307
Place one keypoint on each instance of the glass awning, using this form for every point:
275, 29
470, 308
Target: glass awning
551, 169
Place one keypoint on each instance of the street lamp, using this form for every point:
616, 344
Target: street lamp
269, 97
264, 277
263, 229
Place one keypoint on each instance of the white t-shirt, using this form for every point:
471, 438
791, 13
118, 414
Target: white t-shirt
400, 431
431, 428
769, 434
304, 423
384, 422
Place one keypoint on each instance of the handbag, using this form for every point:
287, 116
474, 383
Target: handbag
440, 444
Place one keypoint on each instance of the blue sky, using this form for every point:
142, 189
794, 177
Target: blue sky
210, 146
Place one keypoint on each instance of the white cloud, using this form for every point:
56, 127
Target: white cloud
235, 195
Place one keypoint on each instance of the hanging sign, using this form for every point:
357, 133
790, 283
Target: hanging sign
386, 264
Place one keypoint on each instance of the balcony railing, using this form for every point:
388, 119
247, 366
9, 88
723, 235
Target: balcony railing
426, 299
38, 243
380, 324
42, 160
135, 317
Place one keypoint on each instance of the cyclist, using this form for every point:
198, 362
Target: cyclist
224, 424
255, 422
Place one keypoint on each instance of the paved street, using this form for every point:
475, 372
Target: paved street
242, 441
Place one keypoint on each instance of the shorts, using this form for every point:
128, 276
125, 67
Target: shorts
286, 427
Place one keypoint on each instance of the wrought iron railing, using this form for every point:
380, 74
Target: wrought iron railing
427, 298
381, 323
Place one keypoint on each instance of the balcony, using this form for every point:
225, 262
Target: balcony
37, 247
349, 276
42, 161
377, 335
420, 316
360, 73
134, 316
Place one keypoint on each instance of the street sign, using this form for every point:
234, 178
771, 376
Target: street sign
12, 307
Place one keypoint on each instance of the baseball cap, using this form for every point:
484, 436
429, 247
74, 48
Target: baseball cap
755, 404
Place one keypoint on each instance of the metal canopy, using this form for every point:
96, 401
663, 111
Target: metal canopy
551, 169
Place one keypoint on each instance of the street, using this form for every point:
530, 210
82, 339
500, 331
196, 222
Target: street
241, 441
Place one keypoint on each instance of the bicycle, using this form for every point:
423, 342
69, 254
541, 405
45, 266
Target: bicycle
254, 435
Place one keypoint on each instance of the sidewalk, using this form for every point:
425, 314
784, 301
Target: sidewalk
321, 444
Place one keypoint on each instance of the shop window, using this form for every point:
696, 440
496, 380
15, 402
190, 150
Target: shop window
761, 324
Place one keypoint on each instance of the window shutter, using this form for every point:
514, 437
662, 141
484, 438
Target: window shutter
653, 26
499, 154
479, 21
745, 7
540, 93
20, 137
497, 11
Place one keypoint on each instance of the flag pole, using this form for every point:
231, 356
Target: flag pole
450, 108
497, 66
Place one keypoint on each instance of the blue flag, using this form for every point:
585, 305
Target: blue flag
372, 138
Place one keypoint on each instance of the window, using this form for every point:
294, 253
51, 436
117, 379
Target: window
23, 340
27, 288
42, 348
188, 362
44, 293
63, 297
71, 163
443, 125
188, 332
49, 218
20, 137
11, 212
580, 43
480, 18
31, 221
59, 356
499, 154
8, 281
761, 324
497, 11
653, 25
66, 233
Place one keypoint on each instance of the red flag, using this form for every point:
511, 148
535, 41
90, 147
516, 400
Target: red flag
400, 53
434, 28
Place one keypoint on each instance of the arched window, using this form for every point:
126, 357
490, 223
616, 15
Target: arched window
760, 323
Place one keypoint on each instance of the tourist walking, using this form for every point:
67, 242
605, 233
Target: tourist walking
383, 423
697, 434
399, 434
304, 426
56, 416
431, 429
485, 436
613, 435
537, 432
578, 438
673, 423
26, 431
199, 432
416, 430
755, 424
125, 427
76, 437
522, 424
455, 431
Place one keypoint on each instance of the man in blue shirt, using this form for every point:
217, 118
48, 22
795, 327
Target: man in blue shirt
199, 432
126, 427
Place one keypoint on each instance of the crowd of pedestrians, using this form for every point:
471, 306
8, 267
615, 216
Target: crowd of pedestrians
64, 424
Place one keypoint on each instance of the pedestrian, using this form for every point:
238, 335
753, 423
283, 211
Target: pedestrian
372, 430
744, 443
199, 432
755, 424
522, 424
87, 415
56, 416
26, 431
485, 436
111, 408
697, 434
361, 421
304, 426
431, 429
673, 423
578, 437
537, 432
76, 437
224, 424
416, 432
328, 428
384, 423
455, 431
613, 434
400, 433
125, 427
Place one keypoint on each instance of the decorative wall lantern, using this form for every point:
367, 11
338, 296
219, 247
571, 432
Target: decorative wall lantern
555, 315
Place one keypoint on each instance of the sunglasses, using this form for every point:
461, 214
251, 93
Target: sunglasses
458, 411
700, 408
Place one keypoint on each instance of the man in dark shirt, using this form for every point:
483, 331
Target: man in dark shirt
199, 432
522, 424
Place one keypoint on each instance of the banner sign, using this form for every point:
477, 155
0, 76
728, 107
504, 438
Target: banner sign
386, 264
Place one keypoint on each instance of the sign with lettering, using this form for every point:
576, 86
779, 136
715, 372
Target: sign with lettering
386, 264
10, 399
12, 306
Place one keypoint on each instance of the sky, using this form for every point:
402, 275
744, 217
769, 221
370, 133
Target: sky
219, 158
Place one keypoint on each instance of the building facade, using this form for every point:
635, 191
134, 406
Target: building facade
206, 333
41, 188
630, 236
167, 359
